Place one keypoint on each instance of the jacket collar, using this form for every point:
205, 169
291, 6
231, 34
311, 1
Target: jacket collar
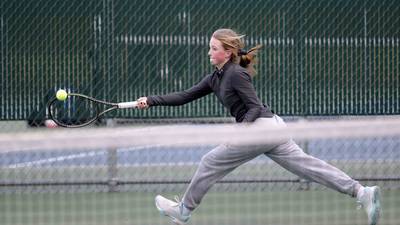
221, 71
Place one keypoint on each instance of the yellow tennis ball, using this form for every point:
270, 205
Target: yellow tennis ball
61, 95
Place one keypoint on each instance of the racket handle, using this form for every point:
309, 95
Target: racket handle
125, 105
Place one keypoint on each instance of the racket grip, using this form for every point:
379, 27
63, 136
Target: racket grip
125, 105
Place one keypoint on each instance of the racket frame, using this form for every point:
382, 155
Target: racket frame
121, 105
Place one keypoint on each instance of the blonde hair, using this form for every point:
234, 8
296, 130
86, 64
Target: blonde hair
233, 41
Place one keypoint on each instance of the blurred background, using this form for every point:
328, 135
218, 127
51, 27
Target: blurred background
321, 60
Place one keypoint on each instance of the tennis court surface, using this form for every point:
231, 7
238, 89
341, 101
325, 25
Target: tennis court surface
117, 185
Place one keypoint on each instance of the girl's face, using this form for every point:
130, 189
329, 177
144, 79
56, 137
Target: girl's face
218, 55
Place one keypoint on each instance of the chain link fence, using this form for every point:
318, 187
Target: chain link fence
118, 185
319, 57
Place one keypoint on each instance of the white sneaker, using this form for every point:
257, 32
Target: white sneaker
369, 199
173, 209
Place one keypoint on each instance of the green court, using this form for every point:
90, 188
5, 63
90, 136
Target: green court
228, 208
229, 203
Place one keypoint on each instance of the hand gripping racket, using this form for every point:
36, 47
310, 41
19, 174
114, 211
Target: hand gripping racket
79, 110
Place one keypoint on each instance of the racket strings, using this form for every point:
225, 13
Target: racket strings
75, 111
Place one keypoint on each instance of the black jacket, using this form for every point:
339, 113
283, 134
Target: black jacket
233, 87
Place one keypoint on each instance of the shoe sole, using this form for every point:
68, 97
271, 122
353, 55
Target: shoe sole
162, 212
376, 207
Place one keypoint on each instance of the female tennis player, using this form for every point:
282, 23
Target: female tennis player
231, 82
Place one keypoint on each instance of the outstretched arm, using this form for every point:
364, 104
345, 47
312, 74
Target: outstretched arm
178, 98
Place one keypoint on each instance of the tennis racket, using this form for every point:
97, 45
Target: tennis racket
79, 110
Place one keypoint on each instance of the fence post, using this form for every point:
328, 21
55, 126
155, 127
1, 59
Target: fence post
304, 183
112, 170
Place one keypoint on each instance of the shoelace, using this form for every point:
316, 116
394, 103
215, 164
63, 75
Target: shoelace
360, 205
177, 199
360, 202
179, 203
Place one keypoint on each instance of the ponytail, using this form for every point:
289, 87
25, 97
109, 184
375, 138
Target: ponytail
247, 58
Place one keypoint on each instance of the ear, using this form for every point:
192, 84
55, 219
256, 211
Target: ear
228, 54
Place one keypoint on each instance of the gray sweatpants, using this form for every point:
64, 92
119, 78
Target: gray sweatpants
225, 158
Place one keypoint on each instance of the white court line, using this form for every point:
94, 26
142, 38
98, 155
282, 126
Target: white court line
76, 156
55, 159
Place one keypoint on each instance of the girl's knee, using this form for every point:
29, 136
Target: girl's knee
207, 160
